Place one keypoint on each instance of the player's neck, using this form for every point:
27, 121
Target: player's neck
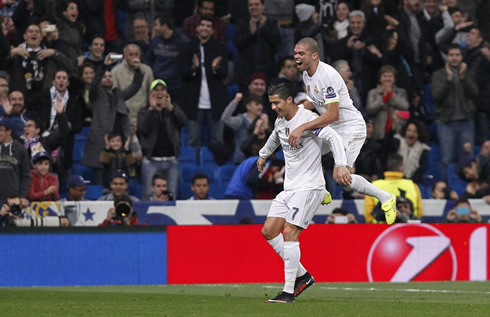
312, 70
293, 112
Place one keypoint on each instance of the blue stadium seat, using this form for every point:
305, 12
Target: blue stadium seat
230, 31
188, 171
184, 136
453, 180
135, 189
206, 157
84, 170
187, 155
78, 150
94, 192
477, 149
231, 91
82, 136
225, 173
217, 191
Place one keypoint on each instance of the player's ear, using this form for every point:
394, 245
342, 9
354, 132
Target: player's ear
315, 55
289, 100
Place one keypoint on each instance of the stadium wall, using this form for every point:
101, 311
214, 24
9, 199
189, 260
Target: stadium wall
79, 256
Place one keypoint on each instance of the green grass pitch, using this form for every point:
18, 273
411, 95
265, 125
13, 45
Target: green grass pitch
323, 299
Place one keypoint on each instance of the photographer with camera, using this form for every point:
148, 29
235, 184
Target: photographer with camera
11, 216
122, 214
9, 212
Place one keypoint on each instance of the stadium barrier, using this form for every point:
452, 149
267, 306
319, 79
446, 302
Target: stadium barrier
209, 212
239, 254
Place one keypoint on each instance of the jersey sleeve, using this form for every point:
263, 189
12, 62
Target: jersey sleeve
331, 90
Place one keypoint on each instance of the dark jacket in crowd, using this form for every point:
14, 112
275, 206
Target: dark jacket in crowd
149, 122
74, 116
14, 171
106, 109
214, 77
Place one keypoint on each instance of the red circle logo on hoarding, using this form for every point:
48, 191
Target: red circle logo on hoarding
411, 252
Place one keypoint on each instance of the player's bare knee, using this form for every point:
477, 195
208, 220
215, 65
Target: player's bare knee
269, 233
291, 232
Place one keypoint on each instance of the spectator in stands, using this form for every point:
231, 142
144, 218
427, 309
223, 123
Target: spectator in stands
125, 204
204, 65
14, 166
358, 49
257, 134
257, 85
26, 14
290, 75
115, 157
141, 33
410, 31
370, 164
410, 144
35, 139
33, 66
4, 84
76, 188
123, 75
162, 54
44, 185
476, 171
342, 66
340, 213
310, 25
485, 148
109, 113
95, 54
440, 190
431, 22
204, 8
87, 74
59, 93
238, 187
200, 187
241, 122
454, 31
479, 64
404, 210
393, 182
269, 183
256, 38
51, 38
158, 130
159, 189
119, 187
463, 213
455, 91
13, 107
341, 21
384, 101
139, 10
71, 30
7, 7
418, 110
283, 13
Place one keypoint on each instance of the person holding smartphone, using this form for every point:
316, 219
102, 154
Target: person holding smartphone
463, 213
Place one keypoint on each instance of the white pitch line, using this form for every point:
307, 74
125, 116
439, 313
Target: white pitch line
409, 290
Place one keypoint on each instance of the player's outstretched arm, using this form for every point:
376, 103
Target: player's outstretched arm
331, 115
270, 146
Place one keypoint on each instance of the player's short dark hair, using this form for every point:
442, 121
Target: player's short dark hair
165, 18
311, 42
199, 176
158, 175
252, 98
394, 162
199, 3
209, 18
454, 46
282, 90
287, 58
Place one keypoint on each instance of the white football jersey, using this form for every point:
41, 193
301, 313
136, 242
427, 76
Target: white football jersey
327, 86
303, 164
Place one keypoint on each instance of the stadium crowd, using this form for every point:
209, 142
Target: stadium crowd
165, 100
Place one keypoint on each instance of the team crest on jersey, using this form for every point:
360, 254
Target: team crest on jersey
316, 89
287, 131
330, 93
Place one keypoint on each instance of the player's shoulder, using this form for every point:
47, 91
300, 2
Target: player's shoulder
306, 114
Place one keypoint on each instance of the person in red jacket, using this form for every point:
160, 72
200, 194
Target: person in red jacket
44, 185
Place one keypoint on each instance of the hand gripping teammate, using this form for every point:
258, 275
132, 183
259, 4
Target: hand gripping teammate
304, 188
327, 92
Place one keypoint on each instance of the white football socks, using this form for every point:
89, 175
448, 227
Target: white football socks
292, 255
277, 244
361, 185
